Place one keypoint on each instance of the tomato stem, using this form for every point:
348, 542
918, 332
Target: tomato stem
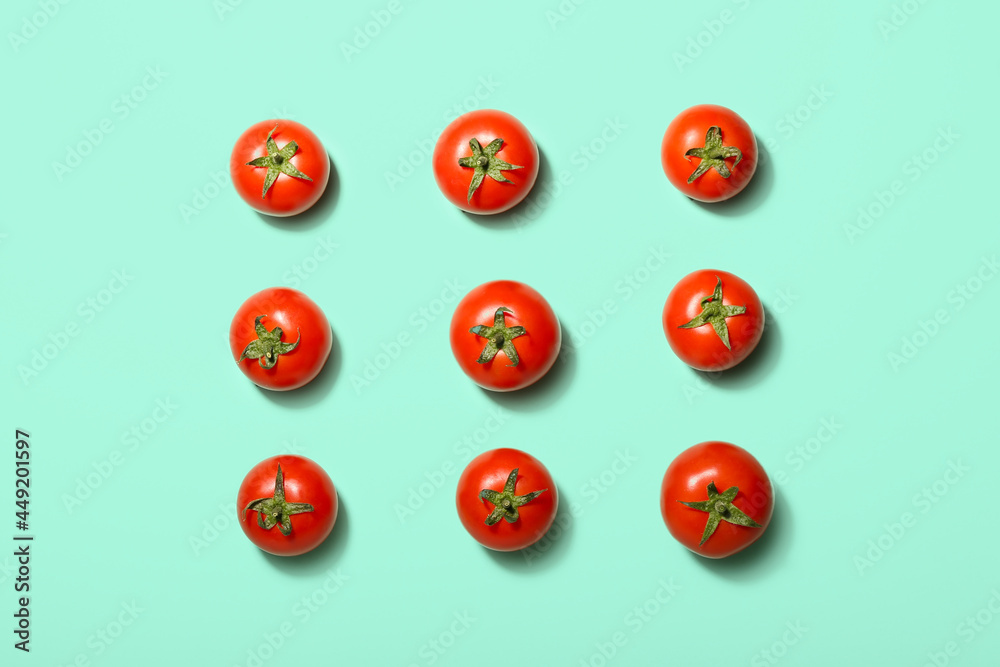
276, 511
720, 508
268, 346
713, 155
499, 337
715, 312
506, 502
485, 163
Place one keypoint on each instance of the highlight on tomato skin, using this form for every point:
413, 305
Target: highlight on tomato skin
713, 320
506, 499
709, 153
716, 499
505, 335
280, 339
279, 167
287, 505
485, 162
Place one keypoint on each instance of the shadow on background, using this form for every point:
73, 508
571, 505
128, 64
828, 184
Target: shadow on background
323, 557
315, 215
755, 192
543, 184
546, 552
320, 386
754, 368
547, 390
767, 553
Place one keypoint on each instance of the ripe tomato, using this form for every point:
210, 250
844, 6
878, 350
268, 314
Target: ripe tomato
506, 499
713, 320
280, 338
716, 499
287, 505
485, 161
709, 153
279, 167
505, 335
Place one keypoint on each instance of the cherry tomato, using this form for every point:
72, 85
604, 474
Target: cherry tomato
713, 320
506, 499
485, 161
279, 167
287, 505
280, 338
716, 499
709, 153
505, 335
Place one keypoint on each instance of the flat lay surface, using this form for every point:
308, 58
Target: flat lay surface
125, 252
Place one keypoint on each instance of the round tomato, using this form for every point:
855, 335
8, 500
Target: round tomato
505, 335
287, 505
279, 167
280, 338
485, 161
709, 153
506, 499
713, 320
716, 499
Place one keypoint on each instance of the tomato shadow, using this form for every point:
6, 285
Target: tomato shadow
315, 391
754, 368
544, 392
323, 557
316, 214
547, 552
520, 213
766, 554
755, 192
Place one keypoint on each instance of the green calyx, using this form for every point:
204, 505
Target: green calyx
276, 511
277, 162
713, 155
485, 163
506, 502
720, 508
499, 337
268, 346
714, 312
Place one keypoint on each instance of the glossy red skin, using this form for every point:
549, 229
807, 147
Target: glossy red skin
518, 148
292, 311
537, 349
700, 347
490, 470
688, 130
305, 482
687, 479
288, 195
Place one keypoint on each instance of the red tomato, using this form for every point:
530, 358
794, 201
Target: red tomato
287, 505
713, 320
280, 338
506, 499
279, 167
505, 335
709, 153
485, 162
716, 499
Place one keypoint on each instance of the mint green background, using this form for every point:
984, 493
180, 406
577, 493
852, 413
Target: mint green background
825, 354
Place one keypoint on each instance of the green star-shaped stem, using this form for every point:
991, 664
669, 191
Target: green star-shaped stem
486, 163
505, 503
268, 346
498, 337
720, 508
714, 312
276, 511
277, 162
713, 155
